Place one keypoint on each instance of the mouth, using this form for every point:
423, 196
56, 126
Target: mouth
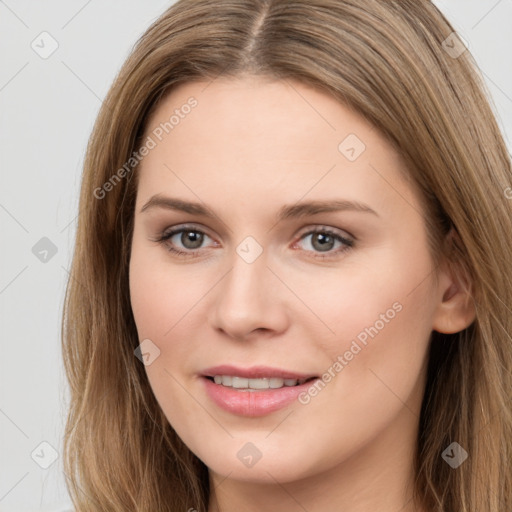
255, 391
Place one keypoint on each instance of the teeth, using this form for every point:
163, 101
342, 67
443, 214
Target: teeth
238, 382
276, 382
264, 383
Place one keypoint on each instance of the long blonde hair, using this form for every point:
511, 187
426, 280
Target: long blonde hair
387, 60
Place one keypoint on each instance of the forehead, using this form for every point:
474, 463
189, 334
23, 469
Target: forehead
250, 136
260, 118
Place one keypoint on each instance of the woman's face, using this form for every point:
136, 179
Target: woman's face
301, 253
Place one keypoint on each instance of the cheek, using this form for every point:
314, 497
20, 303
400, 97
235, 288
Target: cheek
382, 319
385, 295
168, 304
161, 300
161, 293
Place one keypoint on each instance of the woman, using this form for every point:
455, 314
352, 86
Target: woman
291, 286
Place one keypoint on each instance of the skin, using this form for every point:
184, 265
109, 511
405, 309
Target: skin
248, 148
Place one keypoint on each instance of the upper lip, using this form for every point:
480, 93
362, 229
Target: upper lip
255, 372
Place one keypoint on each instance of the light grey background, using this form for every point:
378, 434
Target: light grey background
48, 106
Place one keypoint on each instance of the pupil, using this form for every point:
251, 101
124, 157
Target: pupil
324, 240
191, 239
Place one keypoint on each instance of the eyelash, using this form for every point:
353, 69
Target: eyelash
165, 236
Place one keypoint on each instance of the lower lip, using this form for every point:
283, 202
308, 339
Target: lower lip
253, 403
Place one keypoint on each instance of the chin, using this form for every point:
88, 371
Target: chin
260, 461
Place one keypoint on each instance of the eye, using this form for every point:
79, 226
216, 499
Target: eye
188, 240
184, 241
324, 240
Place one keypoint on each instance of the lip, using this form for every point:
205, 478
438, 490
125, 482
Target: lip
258, 402
255, 372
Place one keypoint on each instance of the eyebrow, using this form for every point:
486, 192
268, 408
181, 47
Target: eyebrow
297, 210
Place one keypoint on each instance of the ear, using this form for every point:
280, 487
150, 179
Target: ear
456, 308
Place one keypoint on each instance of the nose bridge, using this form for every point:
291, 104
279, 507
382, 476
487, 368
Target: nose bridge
246, 297
244, 286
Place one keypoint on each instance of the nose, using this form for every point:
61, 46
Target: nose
249, 301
